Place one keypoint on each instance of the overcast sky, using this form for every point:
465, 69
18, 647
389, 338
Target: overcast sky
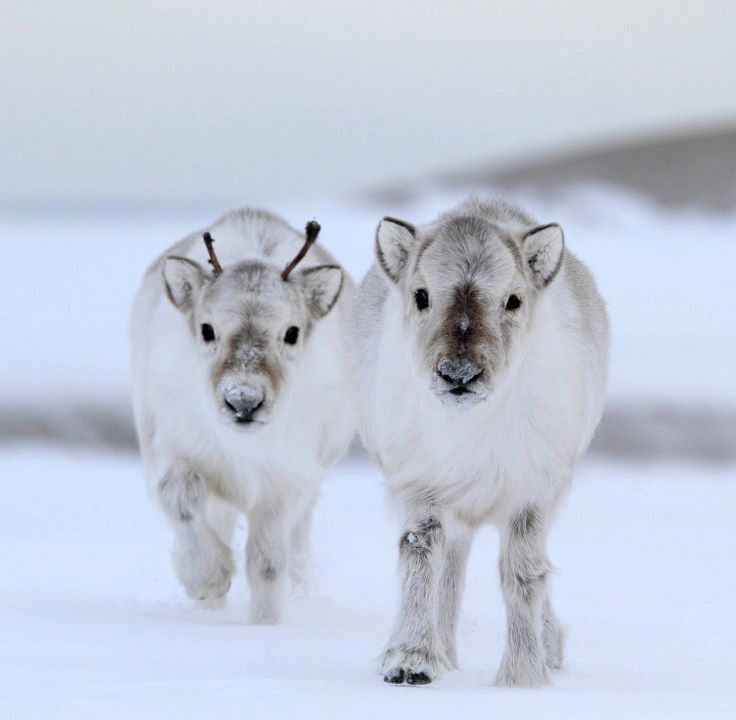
155, 101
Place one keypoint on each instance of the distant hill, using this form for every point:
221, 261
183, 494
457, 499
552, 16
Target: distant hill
682, 169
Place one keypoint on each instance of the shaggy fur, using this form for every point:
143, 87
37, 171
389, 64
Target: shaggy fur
245, 422
477, 408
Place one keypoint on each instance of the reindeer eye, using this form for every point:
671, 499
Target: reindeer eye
421, 298
513, 303
208, 334
292, 335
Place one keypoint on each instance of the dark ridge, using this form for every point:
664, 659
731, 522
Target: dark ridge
76, 426
628, 431
666, 431
688, 169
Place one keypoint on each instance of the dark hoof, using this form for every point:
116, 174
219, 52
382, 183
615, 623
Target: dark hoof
419, 678
395, 676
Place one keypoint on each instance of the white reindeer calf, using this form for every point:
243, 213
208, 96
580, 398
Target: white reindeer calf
481, 351
241, 397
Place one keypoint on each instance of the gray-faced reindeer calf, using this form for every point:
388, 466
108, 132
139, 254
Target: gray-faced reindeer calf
241, 397
480, 345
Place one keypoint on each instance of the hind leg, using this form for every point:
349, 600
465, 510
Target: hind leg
552, 637
299, 551
266, 560
203, 562
221, 516
451, 585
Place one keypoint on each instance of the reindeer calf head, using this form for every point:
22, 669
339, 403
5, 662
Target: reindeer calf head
469, 286
251, 322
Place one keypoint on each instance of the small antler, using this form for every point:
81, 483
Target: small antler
216, 267
312, 230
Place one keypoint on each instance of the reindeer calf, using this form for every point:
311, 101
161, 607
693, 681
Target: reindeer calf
480, 346
241, 397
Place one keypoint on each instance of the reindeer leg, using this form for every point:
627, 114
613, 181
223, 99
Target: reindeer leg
299, 550
202, 561
415, 652
266, 561
457, 549
552, 636
524, 567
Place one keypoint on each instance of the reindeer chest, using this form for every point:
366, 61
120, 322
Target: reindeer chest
476, 461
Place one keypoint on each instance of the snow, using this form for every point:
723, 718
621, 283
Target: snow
93, 623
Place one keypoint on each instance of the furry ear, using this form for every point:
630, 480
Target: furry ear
183, 279
321, 287
544, 248
395, 239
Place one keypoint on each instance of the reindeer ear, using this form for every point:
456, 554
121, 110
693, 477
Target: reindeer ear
321, 287
544, 248
395, 240
183, 279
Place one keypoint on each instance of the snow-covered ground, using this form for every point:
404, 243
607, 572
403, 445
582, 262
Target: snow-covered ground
94, 625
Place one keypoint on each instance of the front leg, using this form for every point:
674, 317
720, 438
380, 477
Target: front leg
266, 561
524, 567
451, 585
414, 651
202, 561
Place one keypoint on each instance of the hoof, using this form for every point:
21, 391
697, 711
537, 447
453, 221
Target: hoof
419, 678
399, 676
395, 676
205, 569
412, 664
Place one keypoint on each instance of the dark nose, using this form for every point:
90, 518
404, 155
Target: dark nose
459, 372
244, 403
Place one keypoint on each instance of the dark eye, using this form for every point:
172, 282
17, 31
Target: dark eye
292, 335
513, 303
208, 334
421, 298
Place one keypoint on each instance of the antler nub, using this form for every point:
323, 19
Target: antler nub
216, 267
312, 230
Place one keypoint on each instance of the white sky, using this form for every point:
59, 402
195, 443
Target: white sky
153, 100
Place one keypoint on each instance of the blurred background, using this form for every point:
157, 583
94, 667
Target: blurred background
126, 125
